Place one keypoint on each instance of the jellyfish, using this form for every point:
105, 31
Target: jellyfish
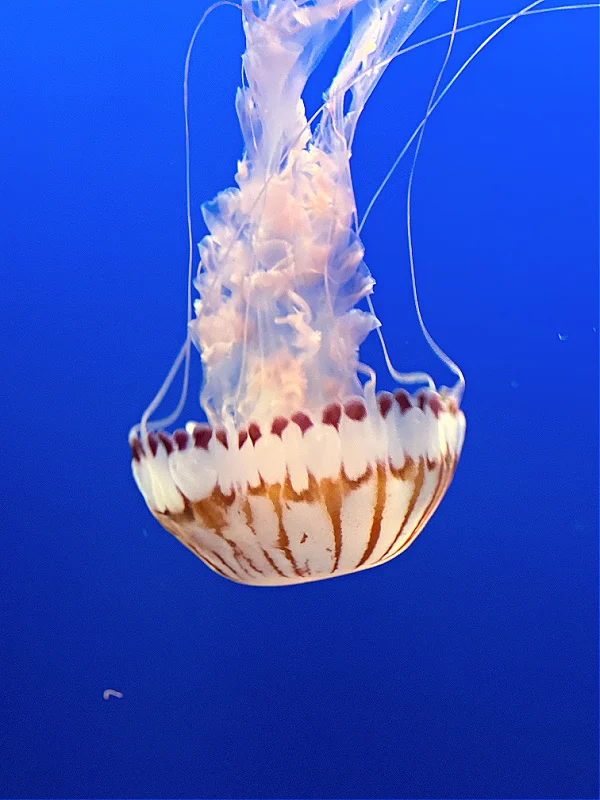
302, 470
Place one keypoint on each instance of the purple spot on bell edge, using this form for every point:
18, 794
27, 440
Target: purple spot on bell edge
166, 440
221, 436
153, 443
332, 415
137, 450
202, 436
403, 399
303, 421
355, 409
181, 439
279, 425
435, 404
385, 401
254, 432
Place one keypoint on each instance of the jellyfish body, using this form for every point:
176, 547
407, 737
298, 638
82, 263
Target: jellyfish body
302, 472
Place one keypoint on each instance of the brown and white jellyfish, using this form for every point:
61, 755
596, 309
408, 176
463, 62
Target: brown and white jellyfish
302, 471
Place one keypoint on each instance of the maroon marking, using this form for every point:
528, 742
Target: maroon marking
202, 436
355, 409
137, 450
166, 440
385, 401
436, 405
403, 399
279, 425
181, 439
254, 432
221, 435
422, 399
303, 421
452, 405
153, 443
332, 415
242, 436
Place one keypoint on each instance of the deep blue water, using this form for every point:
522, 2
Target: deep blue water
468, 667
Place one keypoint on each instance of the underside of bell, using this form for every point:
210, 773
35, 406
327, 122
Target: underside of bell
309, 497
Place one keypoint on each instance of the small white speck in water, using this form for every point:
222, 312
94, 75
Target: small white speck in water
112, 693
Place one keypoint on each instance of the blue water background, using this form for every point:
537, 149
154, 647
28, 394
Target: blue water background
465, 668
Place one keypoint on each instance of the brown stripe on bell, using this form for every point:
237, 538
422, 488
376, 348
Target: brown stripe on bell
307, 497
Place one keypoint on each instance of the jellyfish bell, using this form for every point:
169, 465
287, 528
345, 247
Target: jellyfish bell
304, 497
303, 471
